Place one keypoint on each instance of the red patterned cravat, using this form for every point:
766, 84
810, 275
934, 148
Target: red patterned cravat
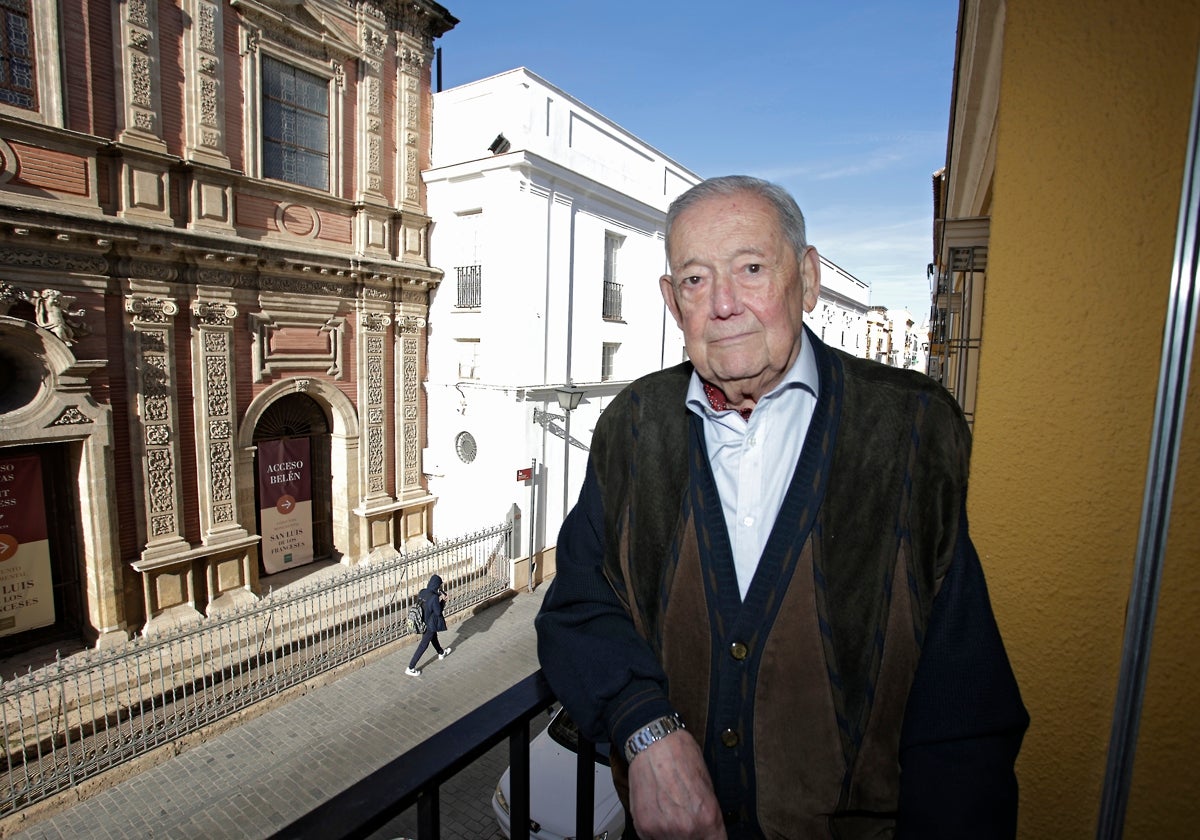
716, 398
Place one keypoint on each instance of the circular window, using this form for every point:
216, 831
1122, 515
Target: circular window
464, 445
22, 377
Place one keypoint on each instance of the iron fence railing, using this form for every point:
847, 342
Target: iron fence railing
82, 715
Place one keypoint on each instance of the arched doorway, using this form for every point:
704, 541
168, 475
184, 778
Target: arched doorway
292, 466
55, 500
40, 586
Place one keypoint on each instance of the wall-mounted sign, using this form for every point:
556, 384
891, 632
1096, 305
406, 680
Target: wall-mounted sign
26, 583
285, 498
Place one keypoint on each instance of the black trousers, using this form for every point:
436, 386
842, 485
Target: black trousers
430, 636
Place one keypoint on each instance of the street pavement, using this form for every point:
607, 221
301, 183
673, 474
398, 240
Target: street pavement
252, 779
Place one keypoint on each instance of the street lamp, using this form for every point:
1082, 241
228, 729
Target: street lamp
568, 397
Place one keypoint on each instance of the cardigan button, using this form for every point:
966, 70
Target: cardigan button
729, 738
738, 651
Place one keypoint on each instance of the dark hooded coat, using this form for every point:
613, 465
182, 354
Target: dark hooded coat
430, 598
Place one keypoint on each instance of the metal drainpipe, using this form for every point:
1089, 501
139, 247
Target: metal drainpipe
1183, 308
570, 382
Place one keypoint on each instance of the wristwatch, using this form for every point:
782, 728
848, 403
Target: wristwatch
655, 730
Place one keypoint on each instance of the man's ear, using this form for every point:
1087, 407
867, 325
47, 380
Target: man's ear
668, 293
810, 277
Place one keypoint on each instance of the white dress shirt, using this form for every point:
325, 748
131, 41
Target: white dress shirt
753, 460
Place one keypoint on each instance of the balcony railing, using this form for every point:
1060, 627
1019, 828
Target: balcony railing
417, 776
470, 286
612, 301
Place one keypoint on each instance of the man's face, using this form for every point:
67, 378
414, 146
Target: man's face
739, 293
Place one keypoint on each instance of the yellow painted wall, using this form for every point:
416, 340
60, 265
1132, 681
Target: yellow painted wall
1094, 107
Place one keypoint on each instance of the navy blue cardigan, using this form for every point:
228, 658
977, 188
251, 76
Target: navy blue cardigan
964, 719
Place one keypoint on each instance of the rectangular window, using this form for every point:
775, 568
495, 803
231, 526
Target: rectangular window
17, 62
612, 244
611, 309
295, 129
468, 358
470, 269
608, 360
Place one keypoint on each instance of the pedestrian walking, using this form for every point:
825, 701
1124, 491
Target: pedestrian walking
432, 599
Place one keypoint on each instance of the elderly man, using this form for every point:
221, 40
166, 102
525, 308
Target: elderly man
766, 597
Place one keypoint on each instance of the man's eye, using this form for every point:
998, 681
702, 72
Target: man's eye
753, 268
691, 280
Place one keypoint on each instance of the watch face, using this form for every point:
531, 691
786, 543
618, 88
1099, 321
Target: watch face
464, 445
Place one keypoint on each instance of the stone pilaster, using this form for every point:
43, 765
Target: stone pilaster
209, 188
373, 328
157, 421
215, 412
137, 45
412, 55
372, 218
370, 105
410, 327
204, 48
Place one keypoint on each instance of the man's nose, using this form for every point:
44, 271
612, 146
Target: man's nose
726, 300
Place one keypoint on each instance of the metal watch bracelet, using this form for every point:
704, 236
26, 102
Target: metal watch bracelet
655, 730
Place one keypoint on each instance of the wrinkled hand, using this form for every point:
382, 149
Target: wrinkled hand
670, 793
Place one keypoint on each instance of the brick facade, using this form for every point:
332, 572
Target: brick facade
160, 293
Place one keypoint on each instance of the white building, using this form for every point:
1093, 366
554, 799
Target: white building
840, 317
548, 220
894, 338
910, 340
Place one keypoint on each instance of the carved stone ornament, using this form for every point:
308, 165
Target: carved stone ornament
411, 472
410, 324
150, 310
214, 313
375, 321
54, 313
71, 416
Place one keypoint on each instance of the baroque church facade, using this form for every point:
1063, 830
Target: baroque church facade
214, 286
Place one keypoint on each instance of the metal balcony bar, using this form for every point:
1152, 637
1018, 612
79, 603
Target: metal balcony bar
612, 301
416, 776
470, 286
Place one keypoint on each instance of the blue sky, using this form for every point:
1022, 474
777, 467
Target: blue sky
844, 103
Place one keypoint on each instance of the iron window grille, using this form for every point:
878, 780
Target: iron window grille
18, 82
470, 286
295, 125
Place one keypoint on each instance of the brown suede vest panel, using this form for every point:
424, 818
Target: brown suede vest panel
795, 730
687, 646
874, 780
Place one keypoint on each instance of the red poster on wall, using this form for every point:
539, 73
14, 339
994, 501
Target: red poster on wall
285, 500
26, 583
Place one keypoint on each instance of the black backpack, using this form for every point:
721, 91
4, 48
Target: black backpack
415, 617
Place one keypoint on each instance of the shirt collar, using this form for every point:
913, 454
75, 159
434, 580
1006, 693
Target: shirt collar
802, 374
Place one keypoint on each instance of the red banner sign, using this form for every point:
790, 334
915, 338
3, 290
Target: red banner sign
285, 502
26, 582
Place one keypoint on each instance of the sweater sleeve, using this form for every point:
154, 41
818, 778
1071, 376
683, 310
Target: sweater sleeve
964, 721
437, 616
600, 668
